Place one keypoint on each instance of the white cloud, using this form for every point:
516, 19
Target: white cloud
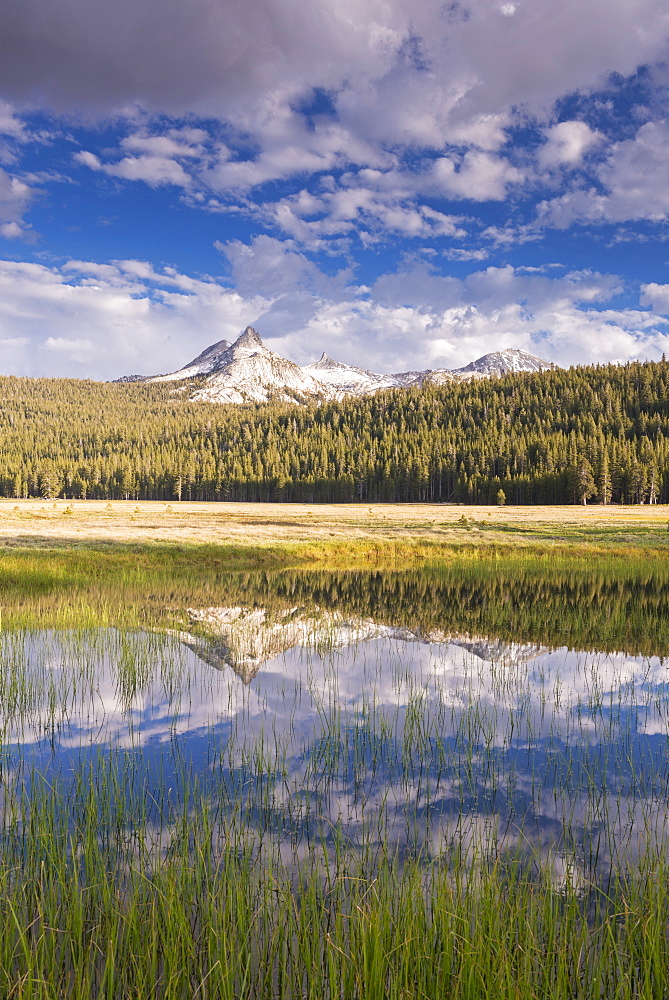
176, 143
102, 272
102, 323
153, 170
485, 64
488, 131
77, 350
275, 269
103, 320
461, 254
15, 199
11, 230
7, 343
567, 143
10, 124
656, 296
398, 77
479, 176
382, 205
634, 184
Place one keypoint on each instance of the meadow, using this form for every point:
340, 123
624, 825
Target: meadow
332, 527
353, 753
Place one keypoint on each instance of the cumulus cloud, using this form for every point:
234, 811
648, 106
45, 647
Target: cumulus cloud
336, 125
397, 74
106, 319
395, 337
369, 202
656, 296
399, 105
77, 350
567, 143
479, 176
93, 320
214, 56
11, 230
633, 184
276, 268
153, 170
15, 198
10, 124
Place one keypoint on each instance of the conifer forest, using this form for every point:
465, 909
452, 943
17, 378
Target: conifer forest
596, 434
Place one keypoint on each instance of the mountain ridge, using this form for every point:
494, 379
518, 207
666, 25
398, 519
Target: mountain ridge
247, 371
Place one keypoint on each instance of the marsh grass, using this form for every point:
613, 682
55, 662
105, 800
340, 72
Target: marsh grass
391, 850
195, 927
605, 600
504, 837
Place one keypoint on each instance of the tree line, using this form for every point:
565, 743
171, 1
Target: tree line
594, 434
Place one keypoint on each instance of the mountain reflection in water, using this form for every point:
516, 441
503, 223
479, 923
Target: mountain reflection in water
245, 638
317, 725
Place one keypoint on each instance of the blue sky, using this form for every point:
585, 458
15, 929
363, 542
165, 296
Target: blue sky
404, 186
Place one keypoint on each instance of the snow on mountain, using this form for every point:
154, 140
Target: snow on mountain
204, 364
440, 376
346, 380
501, 363
210, 360
247, 371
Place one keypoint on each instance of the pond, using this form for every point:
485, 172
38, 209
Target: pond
314, 731
315, 741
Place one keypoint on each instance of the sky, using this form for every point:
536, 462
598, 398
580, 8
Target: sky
402, 185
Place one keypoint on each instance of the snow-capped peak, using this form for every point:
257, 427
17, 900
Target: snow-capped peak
247, 371
501, 363
249, 340
217, 357
208, 359
346, 380
325, 362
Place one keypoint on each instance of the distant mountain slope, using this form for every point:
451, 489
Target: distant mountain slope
209, 361
247, 371
346, 380
501, 363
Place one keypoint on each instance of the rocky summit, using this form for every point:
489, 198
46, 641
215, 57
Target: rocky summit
501, 363
248, 372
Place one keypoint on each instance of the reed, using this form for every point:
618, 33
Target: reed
609, 602
385, 823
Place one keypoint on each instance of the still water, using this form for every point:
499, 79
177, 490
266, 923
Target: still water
306, 728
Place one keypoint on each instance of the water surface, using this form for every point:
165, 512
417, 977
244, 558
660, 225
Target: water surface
300, 726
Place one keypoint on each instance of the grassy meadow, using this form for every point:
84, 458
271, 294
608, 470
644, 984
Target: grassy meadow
341, 530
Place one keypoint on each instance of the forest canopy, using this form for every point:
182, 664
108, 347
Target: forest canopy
597, 434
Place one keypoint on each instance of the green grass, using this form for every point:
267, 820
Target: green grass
608, 601
225, 928
132, 871
229, 882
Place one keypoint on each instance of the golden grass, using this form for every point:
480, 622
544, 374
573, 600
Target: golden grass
45, 523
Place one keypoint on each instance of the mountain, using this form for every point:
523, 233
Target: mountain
439, 376
501, 363
247, 371
345, 380
209, 361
